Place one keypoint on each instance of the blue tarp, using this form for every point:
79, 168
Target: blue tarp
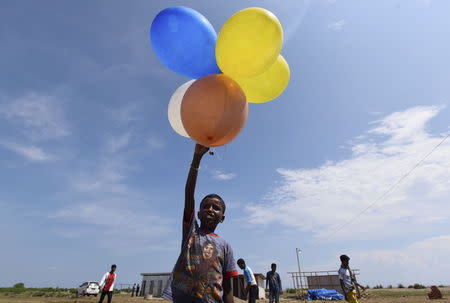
324, 294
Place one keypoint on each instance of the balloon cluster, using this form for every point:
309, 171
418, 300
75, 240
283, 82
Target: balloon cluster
242, 63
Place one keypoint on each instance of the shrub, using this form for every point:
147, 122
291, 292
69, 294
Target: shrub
367, 286
390, 287
441, 285
19, 285
418, 286
378, 286
410, 286
401, 286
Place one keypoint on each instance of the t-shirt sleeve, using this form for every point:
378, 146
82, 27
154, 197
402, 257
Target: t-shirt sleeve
249, 274
341, 274
229, 266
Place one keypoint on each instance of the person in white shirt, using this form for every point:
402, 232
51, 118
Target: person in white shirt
348, 281
107, 284
252, 287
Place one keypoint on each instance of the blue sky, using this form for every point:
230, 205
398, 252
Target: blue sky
92, 173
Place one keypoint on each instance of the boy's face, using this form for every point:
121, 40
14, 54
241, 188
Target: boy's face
211, 213
345, 263
241, 265
274, 268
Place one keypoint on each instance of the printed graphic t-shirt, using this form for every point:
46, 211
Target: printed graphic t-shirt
274, 281
205, 260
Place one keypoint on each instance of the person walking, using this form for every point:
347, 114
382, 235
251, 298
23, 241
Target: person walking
107, 284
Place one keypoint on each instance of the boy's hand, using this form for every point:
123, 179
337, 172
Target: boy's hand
200, 149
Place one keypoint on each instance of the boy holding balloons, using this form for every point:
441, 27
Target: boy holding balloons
206, 264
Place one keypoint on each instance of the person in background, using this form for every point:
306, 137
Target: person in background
252, 288
137, 290
348, 281
107, 284
274, 282
133, 289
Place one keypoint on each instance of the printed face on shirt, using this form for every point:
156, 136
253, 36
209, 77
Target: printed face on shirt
208, 250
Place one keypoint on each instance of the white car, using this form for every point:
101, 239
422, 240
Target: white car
88, 289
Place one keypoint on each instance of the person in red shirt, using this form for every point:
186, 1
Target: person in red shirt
107, 284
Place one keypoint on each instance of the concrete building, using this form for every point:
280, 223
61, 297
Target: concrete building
153, 283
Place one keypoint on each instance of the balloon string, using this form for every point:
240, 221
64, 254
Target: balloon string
213, 152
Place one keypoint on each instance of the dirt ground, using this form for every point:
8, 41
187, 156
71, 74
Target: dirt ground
371, 297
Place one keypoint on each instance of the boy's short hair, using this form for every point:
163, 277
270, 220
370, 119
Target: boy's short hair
344, 258
113, 266
273, 264
240, 261
215, 196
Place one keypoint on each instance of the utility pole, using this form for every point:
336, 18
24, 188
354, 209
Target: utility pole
297, 252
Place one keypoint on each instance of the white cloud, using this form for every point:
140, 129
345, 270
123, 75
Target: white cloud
218, 175
155, 143
320, 200
126, 222
40, 117
125, 114
31, 153
103, 177
116, 143
419, 262
337, 26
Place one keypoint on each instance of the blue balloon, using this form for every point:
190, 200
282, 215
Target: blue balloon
185, 41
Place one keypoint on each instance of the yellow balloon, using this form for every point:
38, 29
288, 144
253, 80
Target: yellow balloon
249, 43
268, 85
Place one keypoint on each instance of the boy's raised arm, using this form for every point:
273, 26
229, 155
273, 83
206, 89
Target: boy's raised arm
189, 200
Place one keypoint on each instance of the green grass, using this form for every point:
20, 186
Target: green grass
47, 292
404, 292
38, 292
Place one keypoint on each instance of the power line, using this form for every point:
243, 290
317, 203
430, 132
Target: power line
391, 188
